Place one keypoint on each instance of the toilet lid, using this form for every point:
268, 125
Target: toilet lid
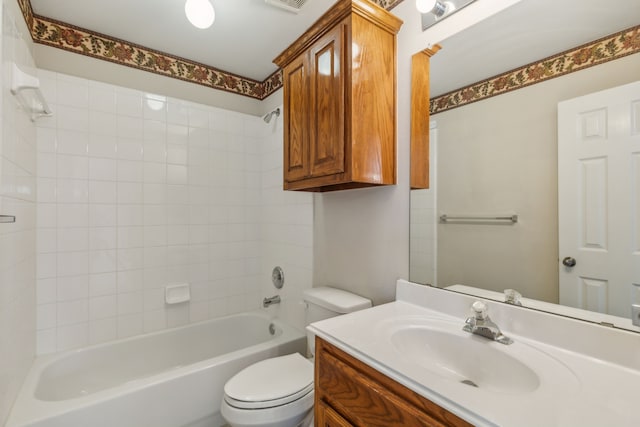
271, 382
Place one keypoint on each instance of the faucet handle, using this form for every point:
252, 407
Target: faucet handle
480, 310
511, 296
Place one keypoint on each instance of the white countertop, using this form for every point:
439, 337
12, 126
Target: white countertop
582, 383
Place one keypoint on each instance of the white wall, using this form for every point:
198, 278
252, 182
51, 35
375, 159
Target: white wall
17, 197
287, 232
362, 236
132, 198
504, 159
423, 222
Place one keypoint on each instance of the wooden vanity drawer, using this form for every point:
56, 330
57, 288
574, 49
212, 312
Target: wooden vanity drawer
349, 392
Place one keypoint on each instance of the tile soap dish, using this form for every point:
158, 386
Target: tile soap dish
176, 294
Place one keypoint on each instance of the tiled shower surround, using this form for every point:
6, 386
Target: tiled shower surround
137, 191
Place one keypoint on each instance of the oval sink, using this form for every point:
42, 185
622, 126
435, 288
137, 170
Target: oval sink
465, 358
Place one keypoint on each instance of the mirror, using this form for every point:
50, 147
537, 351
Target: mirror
498, 156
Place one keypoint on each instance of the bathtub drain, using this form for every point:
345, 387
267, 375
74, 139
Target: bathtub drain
272, 329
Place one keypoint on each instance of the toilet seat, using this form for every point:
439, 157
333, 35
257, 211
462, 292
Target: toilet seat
270, 383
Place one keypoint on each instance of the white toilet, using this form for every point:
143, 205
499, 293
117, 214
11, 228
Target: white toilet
278, 392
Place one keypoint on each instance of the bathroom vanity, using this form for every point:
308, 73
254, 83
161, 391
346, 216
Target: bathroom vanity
409, 363
346, 387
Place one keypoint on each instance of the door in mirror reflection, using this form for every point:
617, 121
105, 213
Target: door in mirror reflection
598, 200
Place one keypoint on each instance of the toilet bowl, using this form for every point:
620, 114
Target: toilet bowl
278, 392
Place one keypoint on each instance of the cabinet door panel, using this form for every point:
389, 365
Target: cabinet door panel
296, 148
327, 137
367, 398
327, 417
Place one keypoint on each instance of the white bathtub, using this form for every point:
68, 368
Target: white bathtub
170, 378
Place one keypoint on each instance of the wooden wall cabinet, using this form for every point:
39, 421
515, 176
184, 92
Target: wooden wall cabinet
351, 393
339, 83
420, 116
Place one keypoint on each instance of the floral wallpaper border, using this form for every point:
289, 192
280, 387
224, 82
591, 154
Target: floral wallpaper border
86, 42
618, 45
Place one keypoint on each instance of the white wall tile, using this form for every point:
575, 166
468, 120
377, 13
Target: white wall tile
103, 307
46, 341
146, 192
102, 123
155, 107
73, 215
72, 118
130, 259
102, 97
155, 236
46, 190
46, 290
130, 281
130, 325
72, 142
103, 146
73, 288
102, 169
72, 91
72, 191
103, 330
47, 240
155, 215
73, 239
176, 154
129, 192
129, 104
72, 336
177, 112
72, 263
155, 131
102, 215
130, 171
177, 174
102, 284
47, 265
102, 261
155, 194
155, 173
130, 127
73, 167
47, 165
103, 192
130, 237
70, 312
129, 215
46, 316
130, 149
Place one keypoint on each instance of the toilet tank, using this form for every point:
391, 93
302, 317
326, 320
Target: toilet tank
324, 302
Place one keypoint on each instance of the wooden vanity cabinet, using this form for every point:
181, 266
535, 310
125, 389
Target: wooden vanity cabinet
339, 98
351, 393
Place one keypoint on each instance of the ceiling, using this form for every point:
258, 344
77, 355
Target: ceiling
244, 39
523, 33
248, 34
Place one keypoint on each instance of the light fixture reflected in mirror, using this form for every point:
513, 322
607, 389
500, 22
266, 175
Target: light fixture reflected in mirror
200, 13
435, 10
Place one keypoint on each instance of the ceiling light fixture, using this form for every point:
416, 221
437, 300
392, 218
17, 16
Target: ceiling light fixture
435, 10
200, 13
431, 6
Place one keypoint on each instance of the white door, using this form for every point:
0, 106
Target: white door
599, 200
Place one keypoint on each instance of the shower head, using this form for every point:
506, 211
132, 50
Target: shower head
269, 116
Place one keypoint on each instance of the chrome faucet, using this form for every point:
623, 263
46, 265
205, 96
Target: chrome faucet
480, 324
273, 300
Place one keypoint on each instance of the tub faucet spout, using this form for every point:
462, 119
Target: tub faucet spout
268, 301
